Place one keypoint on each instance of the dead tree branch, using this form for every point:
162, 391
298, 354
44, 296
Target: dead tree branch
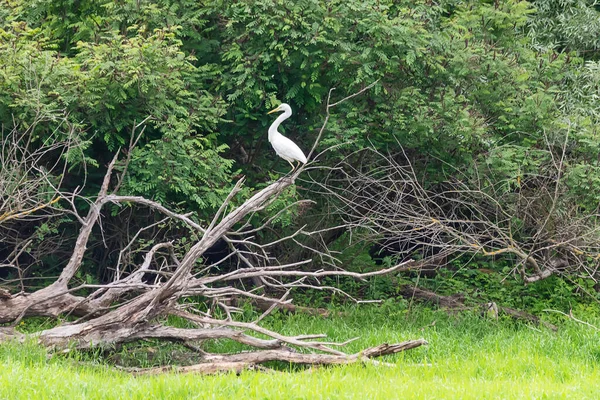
542, 231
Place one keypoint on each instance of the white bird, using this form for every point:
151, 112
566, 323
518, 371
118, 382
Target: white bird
283, 146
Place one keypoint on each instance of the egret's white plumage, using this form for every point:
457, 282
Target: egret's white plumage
283, 146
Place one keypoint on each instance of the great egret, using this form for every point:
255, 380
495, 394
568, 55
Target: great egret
283, 146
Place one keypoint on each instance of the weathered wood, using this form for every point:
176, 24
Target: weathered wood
451, 302
265, 305
527, 317
54, 299
4, 294
8, 333
456, 303
236, 362
47, 302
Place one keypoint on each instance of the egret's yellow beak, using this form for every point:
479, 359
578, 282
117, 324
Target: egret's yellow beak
275, 110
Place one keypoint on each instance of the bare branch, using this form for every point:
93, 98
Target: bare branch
383, 201
133, 140
249, 272
572, 317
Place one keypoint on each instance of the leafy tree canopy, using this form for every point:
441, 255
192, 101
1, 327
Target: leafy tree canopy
464, 86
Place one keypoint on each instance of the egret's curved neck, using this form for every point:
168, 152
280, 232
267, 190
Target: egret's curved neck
273, 128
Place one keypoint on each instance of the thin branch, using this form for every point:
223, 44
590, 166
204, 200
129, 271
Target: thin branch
572, 317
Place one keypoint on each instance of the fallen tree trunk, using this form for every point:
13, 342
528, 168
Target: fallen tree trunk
214, 363
268, 305
449, 302
522, 315
456, 303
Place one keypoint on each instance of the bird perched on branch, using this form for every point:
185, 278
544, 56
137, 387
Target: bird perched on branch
283, 146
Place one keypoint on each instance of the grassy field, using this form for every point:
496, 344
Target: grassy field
468, 357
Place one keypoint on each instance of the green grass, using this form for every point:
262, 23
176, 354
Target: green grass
468, 357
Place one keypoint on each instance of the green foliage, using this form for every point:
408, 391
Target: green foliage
572, 25
482, 282
90, 72
282, 212
457, 79
186, 170
472, 90
108, 82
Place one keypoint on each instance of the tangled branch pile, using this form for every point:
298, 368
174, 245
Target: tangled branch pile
537, 223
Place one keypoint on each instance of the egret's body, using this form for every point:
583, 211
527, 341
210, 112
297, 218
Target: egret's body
283, 146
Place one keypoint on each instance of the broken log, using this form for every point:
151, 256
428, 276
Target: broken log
456, 303
265, 305
214, 363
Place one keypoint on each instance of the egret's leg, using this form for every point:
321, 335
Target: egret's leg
293, 166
